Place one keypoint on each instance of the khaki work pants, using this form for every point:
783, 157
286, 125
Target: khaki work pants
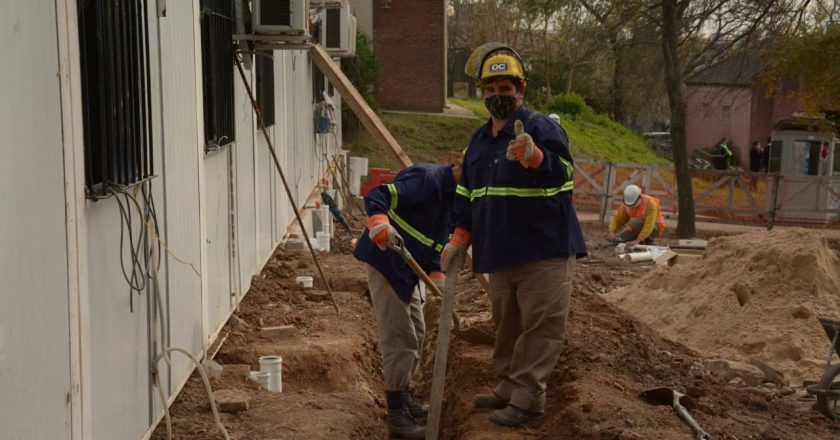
630, 231
530, 306
401, 330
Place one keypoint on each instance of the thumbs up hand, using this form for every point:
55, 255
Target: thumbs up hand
522, 148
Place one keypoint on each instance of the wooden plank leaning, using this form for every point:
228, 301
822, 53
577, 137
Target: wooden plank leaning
362, 110
447, 308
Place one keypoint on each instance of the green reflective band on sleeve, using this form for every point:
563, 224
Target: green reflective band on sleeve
462, 191
393, 190
569, 167
417, 235
520, 192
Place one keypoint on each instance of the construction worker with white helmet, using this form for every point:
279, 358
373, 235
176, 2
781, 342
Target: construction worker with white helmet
639, 218
514, 206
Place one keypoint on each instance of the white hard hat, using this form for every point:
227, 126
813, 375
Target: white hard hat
632, 194
554, 116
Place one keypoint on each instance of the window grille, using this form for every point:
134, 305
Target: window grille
217, 71
265, 86
116, 100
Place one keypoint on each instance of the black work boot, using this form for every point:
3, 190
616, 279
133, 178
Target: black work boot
490, 401
513, 416
402, 425
415, 407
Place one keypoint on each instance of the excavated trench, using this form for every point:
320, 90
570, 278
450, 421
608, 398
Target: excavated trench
332, 374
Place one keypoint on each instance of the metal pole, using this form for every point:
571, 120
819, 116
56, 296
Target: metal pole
283, 178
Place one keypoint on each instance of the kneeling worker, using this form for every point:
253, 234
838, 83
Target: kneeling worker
638, 219
417, 207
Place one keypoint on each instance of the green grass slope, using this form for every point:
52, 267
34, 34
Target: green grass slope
427, 138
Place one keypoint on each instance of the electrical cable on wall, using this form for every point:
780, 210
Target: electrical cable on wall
135, 271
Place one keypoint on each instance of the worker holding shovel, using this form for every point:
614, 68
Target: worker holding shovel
514, 205
414, 211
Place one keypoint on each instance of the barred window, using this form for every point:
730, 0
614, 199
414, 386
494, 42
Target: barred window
265, 86
116, 100
217, 71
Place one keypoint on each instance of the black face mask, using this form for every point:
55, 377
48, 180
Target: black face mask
501, 107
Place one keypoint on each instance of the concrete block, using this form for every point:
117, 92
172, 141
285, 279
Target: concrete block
231, 401
282, 331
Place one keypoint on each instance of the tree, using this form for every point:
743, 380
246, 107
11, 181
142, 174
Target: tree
615, 18
698, 33
809, 56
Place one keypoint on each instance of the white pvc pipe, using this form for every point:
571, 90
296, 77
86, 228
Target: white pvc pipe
273, 365
638, 257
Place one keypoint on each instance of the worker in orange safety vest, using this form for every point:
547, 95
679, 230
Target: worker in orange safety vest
638, 220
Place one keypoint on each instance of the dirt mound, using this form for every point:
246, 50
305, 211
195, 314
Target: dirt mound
756, 295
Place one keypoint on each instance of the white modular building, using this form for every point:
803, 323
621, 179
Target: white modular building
127, 131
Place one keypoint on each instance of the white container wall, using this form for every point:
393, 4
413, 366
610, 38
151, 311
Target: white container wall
34, 304
65, 301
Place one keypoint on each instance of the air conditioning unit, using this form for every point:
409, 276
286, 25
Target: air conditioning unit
338, 31
281, 17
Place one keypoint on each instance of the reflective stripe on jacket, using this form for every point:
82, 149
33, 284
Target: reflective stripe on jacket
518, 215
418, 204
648, 209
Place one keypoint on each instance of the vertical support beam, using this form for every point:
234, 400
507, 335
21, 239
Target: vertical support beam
609, 181
731, 191
202, 174
774, 199
78, 395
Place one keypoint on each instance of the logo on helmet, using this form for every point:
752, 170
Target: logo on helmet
499, 67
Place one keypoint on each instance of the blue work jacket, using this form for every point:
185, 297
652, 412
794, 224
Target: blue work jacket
518, 215
419, 205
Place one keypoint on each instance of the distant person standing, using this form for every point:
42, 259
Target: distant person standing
721, 155
756, 157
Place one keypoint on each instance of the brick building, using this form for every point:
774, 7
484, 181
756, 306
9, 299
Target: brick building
409, 40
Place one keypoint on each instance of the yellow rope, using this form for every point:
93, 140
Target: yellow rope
161, 241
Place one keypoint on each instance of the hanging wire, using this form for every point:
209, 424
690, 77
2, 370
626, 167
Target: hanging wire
135, 271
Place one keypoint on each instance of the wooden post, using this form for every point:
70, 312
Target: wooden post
608, 184
774, 198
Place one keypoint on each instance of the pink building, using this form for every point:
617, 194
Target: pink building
726, 101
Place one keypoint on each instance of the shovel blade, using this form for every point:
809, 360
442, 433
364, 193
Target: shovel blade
668, 396
659, 396
477, 337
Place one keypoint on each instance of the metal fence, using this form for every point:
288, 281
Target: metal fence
719, 196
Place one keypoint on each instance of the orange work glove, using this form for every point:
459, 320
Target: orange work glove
438, 279
523, 149
380, 231
456, 249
